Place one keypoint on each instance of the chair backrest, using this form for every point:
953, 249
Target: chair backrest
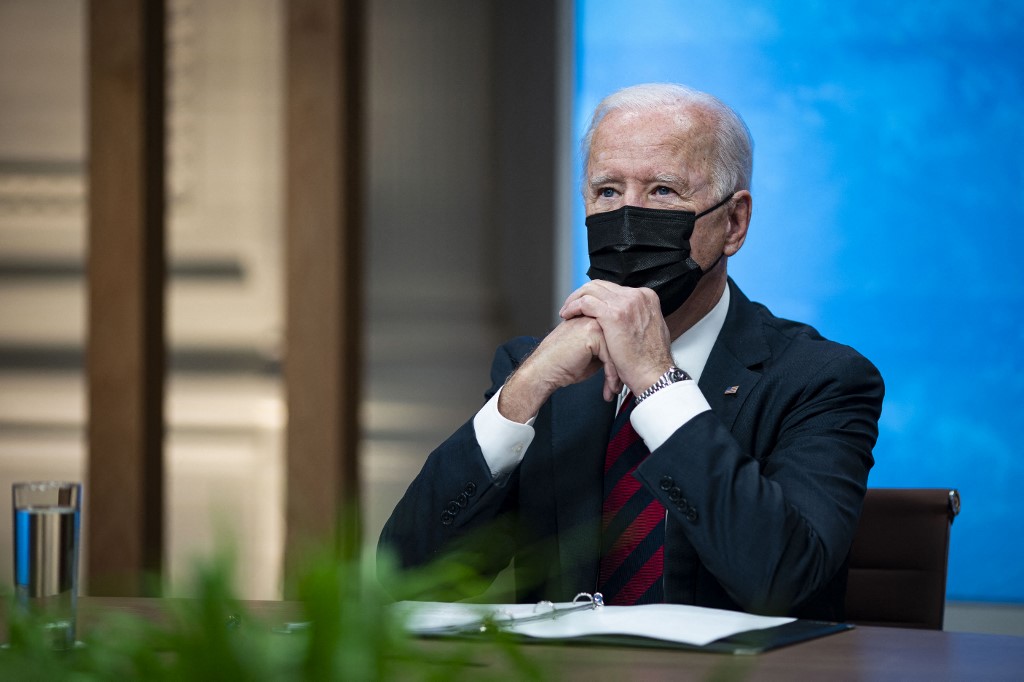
899, 556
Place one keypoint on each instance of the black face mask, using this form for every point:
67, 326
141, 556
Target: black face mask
647, 247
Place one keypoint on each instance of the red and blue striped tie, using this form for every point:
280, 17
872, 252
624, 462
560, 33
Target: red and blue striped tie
632, 522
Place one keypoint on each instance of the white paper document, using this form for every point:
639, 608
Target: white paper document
692, 625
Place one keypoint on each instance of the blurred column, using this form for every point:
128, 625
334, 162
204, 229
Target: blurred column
126, 353
324, 196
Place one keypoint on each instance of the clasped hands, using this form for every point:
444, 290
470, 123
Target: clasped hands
603, 325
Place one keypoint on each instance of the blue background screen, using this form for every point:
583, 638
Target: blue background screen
888, 209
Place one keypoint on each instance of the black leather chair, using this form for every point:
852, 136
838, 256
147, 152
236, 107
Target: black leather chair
899, 556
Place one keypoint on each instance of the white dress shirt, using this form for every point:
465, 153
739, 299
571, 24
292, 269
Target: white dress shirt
504, 442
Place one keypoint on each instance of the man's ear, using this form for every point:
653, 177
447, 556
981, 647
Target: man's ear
739, 220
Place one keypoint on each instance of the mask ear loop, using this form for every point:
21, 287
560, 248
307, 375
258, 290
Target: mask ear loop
715, 207
704, 213
710, 267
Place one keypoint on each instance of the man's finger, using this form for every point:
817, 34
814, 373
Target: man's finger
597, 288
588, 305
612, 387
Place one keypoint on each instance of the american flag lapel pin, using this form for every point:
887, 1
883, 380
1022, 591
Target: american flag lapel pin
732, 390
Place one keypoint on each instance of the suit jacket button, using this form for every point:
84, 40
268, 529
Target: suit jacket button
691, 515
453, 507
666, 482
462, 500
446, 518
470, 488
675, 494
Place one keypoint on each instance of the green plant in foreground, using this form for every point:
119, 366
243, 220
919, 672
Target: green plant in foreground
352, 634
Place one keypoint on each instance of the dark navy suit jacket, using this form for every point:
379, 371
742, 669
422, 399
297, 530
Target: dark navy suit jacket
763, 492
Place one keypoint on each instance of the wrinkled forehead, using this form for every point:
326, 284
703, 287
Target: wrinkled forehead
689, 129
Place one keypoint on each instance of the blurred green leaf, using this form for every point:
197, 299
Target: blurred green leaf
352, 633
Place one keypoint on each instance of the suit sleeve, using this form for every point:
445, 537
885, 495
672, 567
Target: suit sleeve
454, 504
773, 518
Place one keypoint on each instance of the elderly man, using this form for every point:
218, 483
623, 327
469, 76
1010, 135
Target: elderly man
669, 440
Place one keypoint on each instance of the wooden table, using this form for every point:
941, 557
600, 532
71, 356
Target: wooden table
863, 654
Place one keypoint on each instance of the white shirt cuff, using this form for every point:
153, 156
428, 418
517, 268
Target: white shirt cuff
503, 442
661, 415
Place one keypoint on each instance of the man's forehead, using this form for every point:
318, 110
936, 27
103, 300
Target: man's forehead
666, 120
640, 143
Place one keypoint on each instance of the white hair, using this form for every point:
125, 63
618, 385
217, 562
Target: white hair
733, 155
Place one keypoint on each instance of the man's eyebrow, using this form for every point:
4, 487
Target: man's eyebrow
601, 179
671, 179
680, 183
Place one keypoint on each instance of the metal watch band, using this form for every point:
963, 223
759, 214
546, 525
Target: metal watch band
673, 375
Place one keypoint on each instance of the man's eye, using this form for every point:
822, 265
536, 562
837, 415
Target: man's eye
662, 191
606, 192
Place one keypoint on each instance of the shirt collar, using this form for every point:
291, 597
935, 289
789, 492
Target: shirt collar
691, 349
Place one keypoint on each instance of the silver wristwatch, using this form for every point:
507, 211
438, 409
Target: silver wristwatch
673, 375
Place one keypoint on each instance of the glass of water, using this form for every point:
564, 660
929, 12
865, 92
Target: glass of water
46, 541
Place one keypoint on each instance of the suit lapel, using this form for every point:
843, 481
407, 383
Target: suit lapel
728, 379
